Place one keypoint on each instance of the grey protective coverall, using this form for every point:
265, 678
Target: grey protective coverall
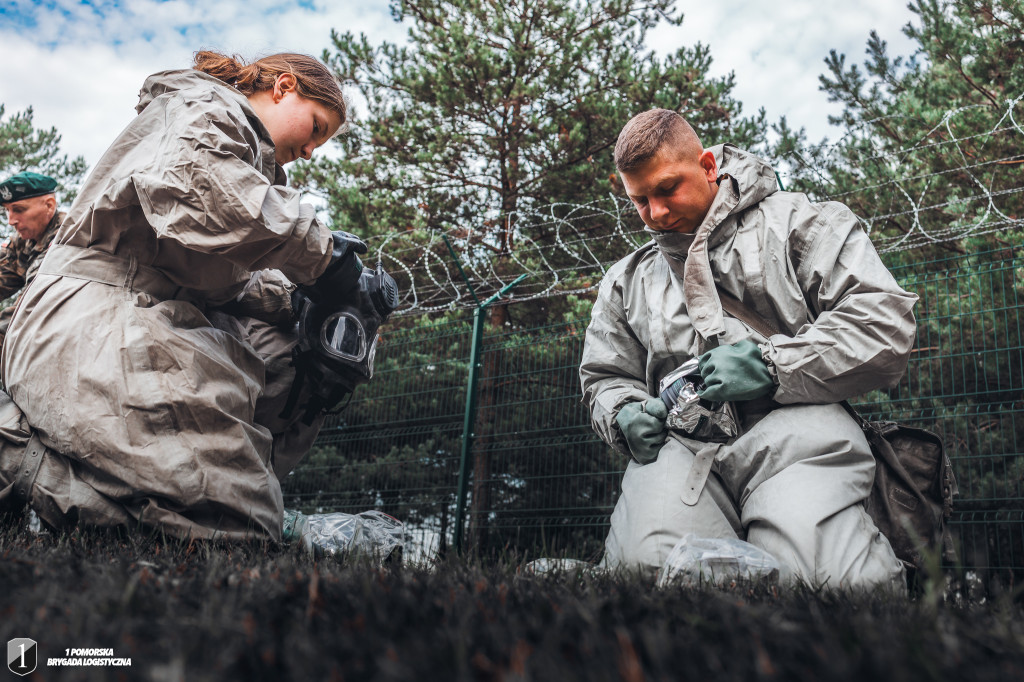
151, 402
794, 481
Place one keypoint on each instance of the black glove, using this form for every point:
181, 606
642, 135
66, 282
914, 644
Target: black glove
342, 273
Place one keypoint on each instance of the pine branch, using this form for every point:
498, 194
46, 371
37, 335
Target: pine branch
986, 93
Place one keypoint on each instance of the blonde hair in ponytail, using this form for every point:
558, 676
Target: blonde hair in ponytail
313, 79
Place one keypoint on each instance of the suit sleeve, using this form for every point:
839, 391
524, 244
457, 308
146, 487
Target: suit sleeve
863, 325
613, 366
197, 180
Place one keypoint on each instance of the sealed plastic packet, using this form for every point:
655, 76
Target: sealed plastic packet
370, 533
561, 566
703, 420
718, 561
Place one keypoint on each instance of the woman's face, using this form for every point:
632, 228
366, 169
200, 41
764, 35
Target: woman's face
297, 125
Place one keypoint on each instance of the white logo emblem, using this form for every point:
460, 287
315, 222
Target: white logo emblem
5, 194
22, 656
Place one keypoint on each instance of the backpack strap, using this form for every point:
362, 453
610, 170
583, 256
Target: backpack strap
740, 311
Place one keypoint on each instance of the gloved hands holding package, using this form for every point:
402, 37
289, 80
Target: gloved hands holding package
342, 272
643, 426
735, 372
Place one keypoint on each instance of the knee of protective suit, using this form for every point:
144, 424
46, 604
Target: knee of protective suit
643, 555
822, 441
632, 538
651, 516
824, 534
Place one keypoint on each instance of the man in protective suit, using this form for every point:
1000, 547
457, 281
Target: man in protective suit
793, 476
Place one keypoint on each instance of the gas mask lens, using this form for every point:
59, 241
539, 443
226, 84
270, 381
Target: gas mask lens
342, 335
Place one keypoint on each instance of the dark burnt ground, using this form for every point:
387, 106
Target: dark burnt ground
203, 612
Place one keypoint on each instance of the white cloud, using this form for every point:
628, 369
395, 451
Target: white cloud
81, 65
777, 49
87, 91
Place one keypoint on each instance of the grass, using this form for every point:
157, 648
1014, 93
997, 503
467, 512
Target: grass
259, 612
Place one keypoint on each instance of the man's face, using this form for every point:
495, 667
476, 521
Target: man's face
31, 216
673, 193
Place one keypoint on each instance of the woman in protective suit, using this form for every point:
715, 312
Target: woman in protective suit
145, 356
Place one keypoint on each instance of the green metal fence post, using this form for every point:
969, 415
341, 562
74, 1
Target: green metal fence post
465, 462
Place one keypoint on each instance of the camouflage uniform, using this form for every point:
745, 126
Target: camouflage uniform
19, 262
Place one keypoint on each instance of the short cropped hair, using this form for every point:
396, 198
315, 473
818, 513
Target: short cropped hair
646, 134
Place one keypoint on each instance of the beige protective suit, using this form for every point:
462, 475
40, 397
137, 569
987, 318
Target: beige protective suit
794, 481
135, 355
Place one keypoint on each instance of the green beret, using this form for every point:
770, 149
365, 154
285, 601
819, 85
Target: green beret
25, 186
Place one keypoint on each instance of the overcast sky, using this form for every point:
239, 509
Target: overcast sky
80, 63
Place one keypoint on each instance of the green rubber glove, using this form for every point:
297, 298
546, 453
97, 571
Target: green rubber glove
734, 372
643, 426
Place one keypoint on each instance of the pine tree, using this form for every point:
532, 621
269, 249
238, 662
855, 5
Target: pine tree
490, 109
931, 154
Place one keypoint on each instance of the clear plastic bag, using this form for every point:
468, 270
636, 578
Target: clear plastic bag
717, 561
370, 533
545, 566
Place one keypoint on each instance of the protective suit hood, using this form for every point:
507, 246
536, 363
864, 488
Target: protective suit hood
753, 178
202, 86
745, 181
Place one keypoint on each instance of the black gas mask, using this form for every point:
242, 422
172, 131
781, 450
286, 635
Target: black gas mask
338, 318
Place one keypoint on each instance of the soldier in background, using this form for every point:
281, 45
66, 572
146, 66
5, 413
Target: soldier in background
31, 207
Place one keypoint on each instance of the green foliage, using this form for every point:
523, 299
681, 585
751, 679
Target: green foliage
24, 147
931, 156
490, 109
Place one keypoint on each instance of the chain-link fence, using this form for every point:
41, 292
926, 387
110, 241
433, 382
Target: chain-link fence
965, 381
539, 480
